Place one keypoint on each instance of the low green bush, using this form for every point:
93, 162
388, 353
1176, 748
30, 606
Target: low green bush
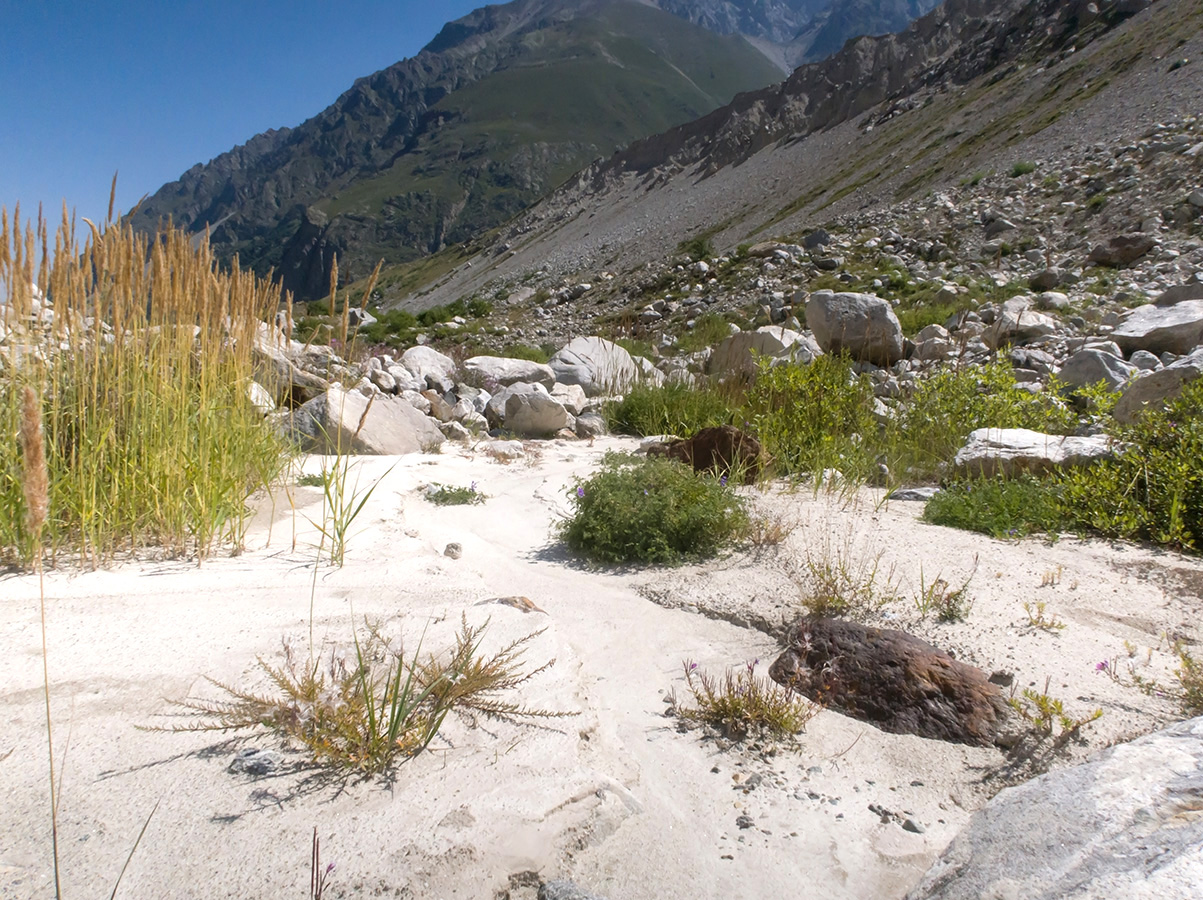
998, 507
651, 510
1024, 167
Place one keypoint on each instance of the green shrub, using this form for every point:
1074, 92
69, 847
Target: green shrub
650, 510
998, 507
1024, 167
1154, 489
696, 248
448, 495
672, 408
814, 417
526, 351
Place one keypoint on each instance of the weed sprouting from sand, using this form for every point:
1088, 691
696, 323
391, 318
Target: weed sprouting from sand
365, 707
1046, 715
450, 495
841, 579
319, 877
742, 704
1038, 618
948, 603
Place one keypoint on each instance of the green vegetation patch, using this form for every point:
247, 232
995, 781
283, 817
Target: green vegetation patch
651, 511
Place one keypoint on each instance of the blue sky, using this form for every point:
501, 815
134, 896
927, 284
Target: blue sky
148, 89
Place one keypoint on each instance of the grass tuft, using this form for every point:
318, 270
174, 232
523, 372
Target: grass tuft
365, 711
448, 495
743, 705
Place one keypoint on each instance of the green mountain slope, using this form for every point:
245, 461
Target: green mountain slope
440, 148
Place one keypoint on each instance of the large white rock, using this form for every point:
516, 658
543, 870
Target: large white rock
571, 397
533, 412
505, 371
1162, 329
425, 362
1016, 323
862, 325
1124, 825
1155, 389
1087, 367
341, 421
276, 359
597, 365
738, 353
1011, 451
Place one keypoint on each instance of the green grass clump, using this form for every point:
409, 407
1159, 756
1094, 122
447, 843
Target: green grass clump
1024, 167
652, 511
527, 352
151, 439
708, 330
672, 408
448, 495
999, 507
814, 417
696, 248
381, 707
742, 705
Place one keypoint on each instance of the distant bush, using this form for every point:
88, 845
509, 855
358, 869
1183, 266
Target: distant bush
697, 248
1024, 167
672, 408
527, 352
650, 510
708, 330
449, 495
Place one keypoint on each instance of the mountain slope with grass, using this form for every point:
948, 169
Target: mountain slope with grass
969, 89
502, 106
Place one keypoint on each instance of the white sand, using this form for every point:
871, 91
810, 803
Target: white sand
617, 797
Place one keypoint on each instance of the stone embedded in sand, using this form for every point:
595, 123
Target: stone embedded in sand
564, 890
890, 679
723, 449
1126, 824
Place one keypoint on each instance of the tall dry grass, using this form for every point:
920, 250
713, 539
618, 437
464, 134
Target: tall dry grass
142, 355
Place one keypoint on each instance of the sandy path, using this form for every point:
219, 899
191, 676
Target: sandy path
615, 797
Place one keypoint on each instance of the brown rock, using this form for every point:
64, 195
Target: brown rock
891, 679
720, 449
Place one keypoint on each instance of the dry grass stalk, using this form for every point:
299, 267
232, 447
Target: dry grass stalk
36, 479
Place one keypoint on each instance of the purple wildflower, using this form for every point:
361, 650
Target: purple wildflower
723, 481
580, 492
1102, 667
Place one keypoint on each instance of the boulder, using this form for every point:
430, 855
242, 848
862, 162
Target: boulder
277, 370
590, 425
861, 325
722, 450
426, 363
1012, 451
571, 397
1162, 329
530, 411
1087, 367
1125, 824
599, 366
348, 422
1190, 290
1122, 250
505, 371
890, 679
1157, 388
1016, 322
737, 354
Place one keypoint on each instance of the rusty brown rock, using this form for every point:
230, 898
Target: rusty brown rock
890, 679
722, 449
